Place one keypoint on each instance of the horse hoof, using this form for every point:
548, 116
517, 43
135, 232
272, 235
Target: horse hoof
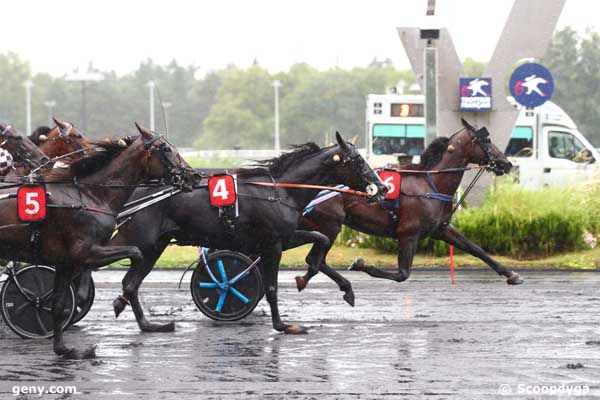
514, 279
149, 327
118, 305
300, 283
296, 330
357, 265
74, 354
349, 297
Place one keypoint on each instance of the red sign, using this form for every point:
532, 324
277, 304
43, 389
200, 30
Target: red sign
31, 203
392, 180
221, 190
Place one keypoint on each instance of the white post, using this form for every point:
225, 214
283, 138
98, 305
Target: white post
151, 85
166, 105
276, 86
28, 85
50, 104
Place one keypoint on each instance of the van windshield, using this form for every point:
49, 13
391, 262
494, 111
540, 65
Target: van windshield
521, 142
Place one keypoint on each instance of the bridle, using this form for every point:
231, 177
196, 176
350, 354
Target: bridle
64, 134
357, 165
177, 173
482, 137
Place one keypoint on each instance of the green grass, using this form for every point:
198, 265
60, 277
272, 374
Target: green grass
342, 257
213, 162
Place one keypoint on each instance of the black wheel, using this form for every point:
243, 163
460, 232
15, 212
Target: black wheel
27, 306
83, 304
229, 294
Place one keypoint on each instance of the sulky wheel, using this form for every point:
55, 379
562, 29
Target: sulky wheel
84, 301
26, 302
226, 292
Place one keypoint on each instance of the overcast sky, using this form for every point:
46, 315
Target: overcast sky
57, 36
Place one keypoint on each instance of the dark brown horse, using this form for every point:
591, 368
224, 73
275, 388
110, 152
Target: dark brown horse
418, 213
35, 150
24, 152
81, 215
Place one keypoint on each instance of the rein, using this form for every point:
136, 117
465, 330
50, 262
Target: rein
306, 186
438, 171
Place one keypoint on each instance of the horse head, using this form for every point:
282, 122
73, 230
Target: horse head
163, 160
484, 152
349, 166
21, 147
64, 138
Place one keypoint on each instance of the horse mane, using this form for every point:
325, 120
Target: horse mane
431, 156
89, 162
35, 135
278, 165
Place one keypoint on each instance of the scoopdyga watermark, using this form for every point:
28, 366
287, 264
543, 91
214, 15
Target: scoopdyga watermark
546, 390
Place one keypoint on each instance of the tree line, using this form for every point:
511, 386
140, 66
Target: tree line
233, 107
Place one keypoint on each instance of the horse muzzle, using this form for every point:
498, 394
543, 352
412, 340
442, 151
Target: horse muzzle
501, 167
374, 193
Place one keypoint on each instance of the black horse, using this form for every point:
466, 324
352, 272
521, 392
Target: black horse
268, 218
414, 215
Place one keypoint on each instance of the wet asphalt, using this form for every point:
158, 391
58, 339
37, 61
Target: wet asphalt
423, 338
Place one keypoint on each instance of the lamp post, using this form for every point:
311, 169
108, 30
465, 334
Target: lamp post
151, 85
50, 104
28, 85
430, 33
276, 86
84, 78
166, 105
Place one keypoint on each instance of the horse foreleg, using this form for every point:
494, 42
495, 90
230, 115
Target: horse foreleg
269, 268
84, 285
62, 280
99, 256
451, 236
407, 247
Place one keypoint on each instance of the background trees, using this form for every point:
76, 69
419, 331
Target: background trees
233, 107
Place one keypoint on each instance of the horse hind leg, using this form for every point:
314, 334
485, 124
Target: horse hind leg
407, 247
62, 280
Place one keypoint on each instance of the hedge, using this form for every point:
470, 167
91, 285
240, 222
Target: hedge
517, 223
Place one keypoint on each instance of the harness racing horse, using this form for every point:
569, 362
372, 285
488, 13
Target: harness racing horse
423, 209
81, 215
268, 218
24, 152
61, 140
34, 151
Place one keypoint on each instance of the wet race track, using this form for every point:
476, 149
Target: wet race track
423, 338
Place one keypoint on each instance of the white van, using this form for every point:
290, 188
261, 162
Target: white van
545, 146
547, 149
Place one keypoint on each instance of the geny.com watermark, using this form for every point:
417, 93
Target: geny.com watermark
42, 390
549, 390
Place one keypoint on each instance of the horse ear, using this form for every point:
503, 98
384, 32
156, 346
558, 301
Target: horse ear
59, 123
466, 124
341, 141
144, 132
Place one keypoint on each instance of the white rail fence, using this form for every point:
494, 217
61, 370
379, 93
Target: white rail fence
242, 154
